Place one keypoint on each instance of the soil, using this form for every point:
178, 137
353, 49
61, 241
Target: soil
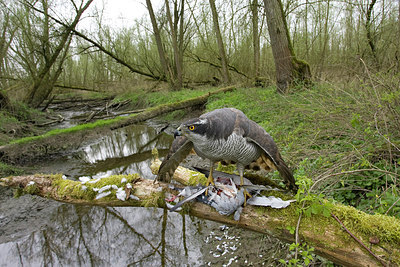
222, 245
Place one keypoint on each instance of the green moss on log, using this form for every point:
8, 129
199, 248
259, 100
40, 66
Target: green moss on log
76, 190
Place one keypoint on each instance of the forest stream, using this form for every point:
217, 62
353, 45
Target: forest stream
39, 232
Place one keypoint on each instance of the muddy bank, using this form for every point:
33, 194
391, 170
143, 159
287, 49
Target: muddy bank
63, 140
38, 231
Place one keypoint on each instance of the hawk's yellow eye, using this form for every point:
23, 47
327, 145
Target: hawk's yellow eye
191, 127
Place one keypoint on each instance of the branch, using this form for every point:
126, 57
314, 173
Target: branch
323, 233
232, 68
103, 49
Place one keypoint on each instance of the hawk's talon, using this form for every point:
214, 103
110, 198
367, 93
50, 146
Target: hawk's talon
210, 180
246, 194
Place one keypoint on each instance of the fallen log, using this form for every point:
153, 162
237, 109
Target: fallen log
24, 149
325, 234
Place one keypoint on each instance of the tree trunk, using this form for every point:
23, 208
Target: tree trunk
176, 45
161, 52
325, 234
40, 88
289, 69
4, 101
256, 39
370, 38
221, 48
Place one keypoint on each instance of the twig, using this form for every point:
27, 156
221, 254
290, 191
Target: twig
392, 206
358, 240
351, 172
297, 232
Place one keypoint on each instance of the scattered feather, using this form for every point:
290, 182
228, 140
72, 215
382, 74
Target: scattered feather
31, 183
271, 201
123, 180
84, 179
121, 195
134, 197
104, 188
103, 194
64, 177
114, 187
94, 181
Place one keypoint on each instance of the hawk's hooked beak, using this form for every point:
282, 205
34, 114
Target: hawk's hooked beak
177, 132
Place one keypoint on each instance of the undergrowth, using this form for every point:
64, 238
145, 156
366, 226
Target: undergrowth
346, 137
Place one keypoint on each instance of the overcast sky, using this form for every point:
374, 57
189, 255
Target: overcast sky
119, 13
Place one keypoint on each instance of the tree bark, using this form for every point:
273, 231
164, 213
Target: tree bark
370, 38
289, 69
107, 52
165, 64
42, 84
221, 48
325, 234
256, 39
176, 46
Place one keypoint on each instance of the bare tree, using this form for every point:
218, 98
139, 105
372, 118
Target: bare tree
288, 68
157, 35
368, 24
224, 61
7, 31
43, 49
256, 38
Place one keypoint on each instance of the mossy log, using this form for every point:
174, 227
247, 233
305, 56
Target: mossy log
23, 150
325, 234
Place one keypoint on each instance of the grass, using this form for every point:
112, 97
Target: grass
143, 98
321, 132
329, 129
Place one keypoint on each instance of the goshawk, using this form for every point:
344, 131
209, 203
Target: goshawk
225, 135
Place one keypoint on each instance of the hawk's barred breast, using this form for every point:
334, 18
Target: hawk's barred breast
234, 148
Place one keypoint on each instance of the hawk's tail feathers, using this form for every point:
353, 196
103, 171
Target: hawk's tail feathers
287, 176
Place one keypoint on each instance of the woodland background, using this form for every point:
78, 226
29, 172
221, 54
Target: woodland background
339, 123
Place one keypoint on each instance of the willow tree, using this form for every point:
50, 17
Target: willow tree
221, 48
289, 69
256, 38
172, 71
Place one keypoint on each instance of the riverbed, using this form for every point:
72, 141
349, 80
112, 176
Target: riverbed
41, 232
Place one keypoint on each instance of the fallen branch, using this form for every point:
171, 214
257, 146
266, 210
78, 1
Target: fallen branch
54, 141
323, 233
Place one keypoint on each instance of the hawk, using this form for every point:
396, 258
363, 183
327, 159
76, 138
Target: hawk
225, 135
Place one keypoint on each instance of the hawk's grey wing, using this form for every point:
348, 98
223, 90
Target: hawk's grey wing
271, 156
179, 150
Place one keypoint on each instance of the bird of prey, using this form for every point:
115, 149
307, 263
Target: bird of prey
225, 135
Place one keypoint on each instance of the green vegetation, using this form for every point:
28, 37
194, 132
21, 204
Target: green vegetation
76, 190
142, 98
328, 130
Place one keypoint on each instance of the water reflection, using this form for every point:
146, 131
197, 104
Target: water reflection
87, 236
127, 150
74, 235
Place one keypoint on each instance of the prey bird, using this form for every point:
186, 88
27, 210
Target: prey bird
225, 135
